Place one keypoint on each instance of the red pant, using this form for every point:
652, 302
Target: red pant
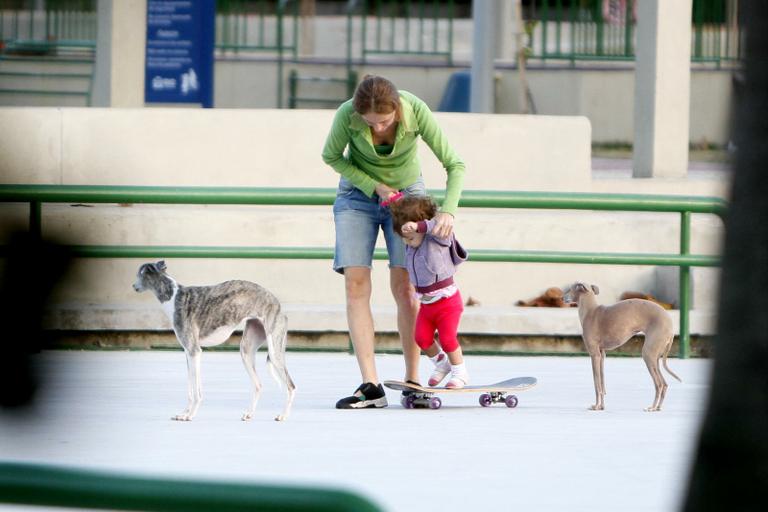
443, 316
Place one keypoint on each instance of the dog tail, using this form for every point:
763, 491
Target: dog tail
664, 360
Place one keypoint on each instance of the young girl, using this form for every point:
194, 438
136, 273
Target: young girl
431, 262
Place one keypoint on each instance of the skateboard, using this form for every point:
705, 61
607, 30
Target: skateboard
490, 394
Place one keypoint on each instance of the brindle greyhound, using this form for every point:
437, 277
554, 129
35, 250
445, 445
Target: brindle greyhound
204, 316
608, 327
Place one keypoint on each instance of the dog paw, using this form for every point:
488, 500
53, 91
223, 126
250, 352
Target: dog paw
246, 416
596, 407
652, 409
281, 417
181, 417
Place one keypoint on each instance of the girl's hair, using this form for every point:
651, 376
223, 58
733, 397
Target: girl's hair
411, 209
377, 95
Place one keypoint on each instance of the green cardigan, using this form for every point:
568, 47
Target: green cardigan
365, 168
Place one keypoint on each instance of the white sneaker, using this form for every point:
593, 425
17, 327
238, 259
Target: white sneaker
442, 368
459, 377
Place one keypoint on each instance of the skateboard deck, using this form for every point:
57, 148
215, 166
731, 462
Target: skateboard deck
422, 396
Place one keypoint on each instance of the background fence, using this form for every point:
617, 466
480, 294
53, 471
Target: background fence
28, 27
415, 31
605, 30
557, 29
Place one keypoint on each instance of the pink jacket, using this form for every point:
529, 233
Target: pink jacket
431, 265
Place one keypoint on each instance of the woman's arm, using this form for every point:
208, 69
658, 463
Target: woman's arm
433, 135
333, 151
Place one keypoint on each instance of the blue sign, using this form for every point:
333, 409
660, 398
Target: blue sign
179, 58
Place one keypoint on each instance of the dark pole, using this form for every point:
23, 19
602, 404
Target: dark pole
730, 467
207, 44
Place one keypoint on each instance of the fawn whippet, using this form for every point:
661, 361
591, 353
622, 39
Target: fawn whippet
608, 327
205, 316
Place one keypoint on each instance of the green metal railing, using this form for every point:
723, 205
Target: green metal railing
326, 91
246, 26
36, 195
44, 485
297, 97
49, 82
60, 24
257, 25
241, 25
61, 27
29, 29
411, 28
605, 30
422, 29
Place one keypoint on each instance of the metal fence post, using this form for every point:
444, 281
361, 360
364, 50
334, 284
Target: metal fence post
36, 219
685, 286
280, 54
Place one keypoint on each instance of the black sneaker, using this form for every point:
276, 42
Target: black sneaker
366, 396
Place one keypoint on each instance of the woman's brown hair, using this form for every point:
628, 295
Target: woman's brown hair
411, 209
377, 95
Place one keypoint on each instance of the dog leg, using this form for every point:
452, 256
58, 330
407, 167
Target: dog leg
282, 375
597, 377
651, 359
602, 380
253, 338
194, 390
603, 392
653, 370
657, 344
276, 345
668, 346
664, 387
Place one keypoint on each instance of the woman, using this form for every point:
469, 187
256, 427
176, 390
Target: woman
379, 129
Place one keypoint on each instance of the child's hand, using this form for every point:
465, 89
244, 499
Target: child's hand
409, 227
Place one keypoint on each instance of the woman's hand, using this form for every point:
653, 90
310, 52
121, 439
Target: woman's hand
443, 225
385, 191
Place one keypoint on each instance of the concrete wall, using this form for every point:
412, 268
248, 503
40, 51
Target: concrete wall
604, 95
280, 148
237, 147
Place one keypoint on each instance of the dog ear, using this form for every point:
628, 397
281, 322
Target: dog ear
160, 265
595, 289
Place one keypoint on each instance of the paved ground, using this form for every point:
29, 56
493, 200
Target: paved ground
111, 410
